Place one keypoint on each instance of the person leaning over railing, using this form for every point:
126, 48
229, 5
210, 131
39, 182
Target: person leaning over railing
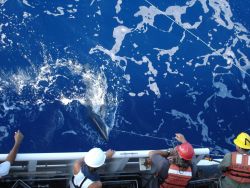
84, 170
173, 167
236, 165
5, 166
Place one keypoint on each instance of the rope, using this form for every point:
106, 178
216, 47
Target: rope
197, 37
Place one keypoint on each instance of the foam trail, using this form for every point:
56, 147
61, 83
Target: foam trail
199, 39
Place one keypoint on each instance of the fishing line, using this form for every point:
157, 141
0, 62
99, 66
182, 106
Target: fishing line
169, 142
138, 134
197, 37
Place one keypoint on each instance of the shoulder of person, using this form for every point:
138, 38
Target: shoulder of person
96, 184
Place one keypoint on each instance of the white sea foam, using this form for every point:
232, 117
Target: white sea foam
204, 5
224, 92
1, 26
132, 94
151, 69
148, 15
140, 94
118, 6
159, 126
178, 115
127, 78
20, 79
222, 8
60, 11
121, 61
3, 132
65, 100
69, 132
92, 2
118, 20
204, 128
153, 86
89, 90
119, 34
170, 70
27, 3
73, 10
2, 2
3, 37
26, 15
169, 52
229, 140
96, 90
135, 45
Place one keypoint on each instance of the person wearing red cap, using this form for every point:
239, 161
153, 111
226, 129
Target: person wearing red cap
173, 167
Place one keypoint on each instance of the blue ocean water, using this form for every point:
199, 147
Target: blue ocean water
146, 69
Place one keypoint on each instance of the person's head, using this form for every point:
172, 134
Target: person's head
242, 142
185, 151
181, 163
95, 158
185, 154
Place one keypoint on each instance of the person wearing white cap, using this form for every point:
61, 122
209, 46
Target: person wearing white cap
84, 170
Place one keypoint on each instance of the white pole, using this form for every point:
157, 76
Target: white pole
78, 155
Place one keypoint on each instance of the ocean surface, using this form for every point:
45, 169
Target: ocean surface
143, 69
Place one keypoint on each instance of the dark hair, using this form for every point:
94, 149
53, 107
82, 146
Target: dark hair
91, 169
245, 150
181, 163
242, 149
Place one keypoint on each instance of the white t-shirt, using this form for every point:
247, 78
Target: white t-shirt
4, 168
78, 178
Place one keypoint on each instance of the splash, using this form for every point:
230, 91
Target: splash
65, 81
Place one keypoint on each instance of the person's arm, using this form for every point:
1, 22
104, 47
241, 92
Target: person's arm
180, 137
77, 167
109, 153
225, 163
158, 152
18, 140
96, 184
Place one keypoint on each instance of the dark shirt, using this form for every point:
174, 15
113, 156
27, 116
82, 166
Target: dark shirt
161, 164
94, 176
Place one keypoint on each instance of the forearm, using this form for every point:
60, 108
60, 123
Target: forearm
12, 154
225, 163
158, 152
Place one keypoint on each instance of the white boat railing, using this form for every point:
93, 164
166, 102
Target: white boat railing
130, 166
78, 155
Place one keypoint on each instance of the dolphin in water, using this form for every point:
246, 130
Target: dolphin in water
99, 124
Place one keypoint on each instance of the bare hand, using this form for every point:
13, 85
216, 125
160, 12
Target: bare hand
109, 153
18, 137
180, 137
